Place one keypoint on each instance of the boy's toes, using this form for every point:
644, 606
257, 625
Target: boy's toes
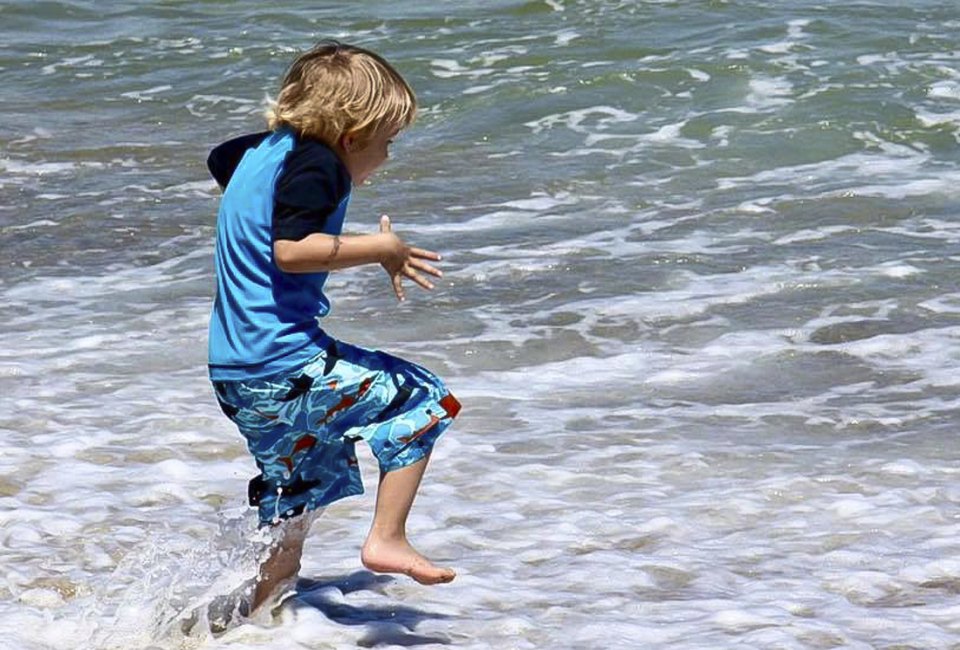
431, 575
448, 575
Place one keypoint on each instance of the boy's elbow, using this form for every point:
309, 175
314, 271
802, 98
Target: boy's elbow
284, 256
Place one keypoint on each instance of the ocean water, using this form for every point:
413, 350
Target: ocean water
700, 303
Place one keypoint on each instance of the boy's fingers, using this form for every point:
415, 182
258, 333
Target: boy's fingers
424, 253
425, 267
398, 286
419, 279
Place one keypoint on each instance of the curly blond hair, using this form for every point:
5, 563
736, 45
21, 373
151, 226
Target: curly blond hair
336, 89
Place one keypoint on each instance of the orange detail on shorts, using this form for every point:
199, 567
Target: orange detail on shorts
432, 423
451, 405
266, 416
304, 443
364, 386
286, 460
348, 400
332, 385
344, 403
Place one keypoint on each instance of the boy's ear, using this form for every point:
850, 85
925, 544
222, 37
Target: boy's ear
350, 142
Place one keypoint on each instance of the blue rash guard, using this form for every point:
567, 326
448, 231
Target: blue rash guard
278, 186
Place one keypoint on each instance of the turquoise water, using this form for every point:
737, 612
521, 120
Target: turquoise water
700, 304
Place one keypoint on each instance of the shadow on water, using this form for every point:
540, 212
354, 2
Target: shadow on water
389, 624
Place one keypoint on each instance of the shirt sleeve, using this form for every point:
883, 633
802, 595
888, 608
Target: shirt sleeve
309, 189
224, 159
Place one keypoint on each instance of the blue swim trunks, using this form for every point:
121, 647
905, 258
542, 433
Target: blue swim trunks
302, 425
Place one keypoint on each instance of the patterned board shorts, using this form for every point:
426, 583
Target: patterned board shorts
302, 425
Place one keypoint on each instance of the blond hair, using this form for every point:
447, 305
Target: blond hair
336, 89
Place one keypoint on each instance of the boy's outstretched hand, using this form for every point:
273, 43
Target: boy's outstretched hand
402, 261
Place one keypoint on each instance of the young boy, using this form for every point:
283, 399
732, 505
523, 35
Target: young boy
300, 398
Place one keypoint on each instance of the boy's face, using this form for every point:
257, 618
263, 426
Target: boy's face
363, 160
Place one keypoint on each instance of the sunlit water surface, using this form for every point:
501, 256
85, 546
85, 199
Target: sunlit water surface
700, 303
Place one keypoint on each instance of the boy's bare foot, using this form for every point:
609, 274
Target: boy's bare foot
389, 556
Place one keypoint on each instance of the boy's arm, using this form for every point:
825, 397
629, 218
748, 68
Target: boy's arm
319, 252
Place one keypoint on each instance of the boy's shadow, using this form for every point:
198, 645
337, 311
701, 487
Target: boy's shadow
390, 624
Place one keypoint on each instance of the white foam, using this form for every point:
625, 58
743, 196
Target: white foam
769, 92
12, 166
945, 90
146, 94
945, 304
575, 120
566, 37
450, 68
201, 105
85, 61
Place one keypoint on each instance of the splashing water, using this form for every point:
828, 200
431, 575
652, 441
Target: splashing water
173, 591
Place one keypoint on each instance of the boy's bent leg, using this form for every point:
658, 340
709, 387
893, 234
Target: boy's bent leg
387, 549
